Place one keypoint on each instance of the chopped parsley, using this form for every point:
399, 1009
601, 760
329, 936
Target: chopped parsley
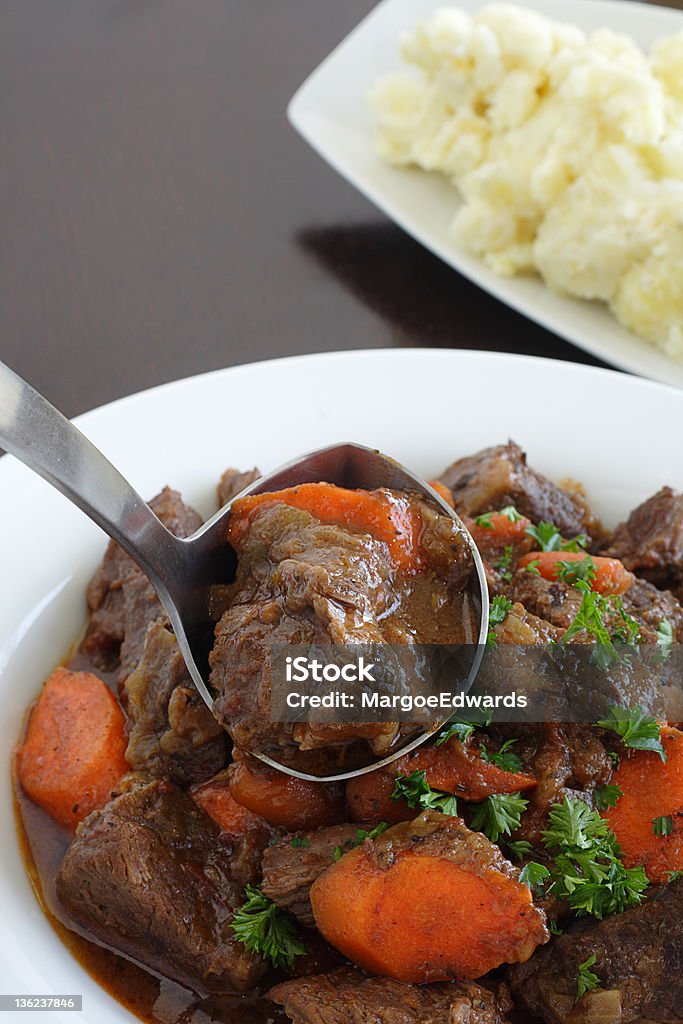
588, 872
499, 814
502, 566
663, 826
510, 513
674, 876
498, 612
518, 848
570, 572
534, 875
549, 538
665, 639
361, 835
532, 567
595, 611
299, 843
503, 758
419, 795
462, 729
265, 928
586, 980
636, 729
554, 928
607, 796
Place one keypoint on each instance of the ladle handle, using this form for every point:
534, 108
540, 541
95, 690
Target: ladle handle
43, 439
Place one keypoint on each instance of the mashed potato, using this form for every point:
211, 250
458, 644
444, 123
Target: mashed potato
567, 151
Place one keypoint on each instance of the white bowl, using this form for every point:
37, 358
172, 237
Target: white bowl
619, 435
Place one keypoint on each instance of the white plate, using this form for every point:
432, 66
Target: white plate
331, 111
617, 434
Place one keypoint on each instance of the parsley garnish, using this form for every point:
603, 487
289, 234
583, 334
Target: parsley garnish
587, 872
665, 639
607, 796
360, 837
591, 616
554, 928
498, 611
532, 567
674, 876
462, 729
299, 843
518, 848
502, 566
586, 981
265, 928
663, 826
637, 730
535, 876
580, 569
499, 814
503, 758
549, 538
510, 513
419, 795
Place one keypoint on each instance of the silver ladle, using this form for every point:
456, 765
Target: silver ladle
182, 570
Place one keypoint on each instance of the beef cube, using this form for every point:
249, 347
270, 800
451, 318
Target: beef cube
290, 871
553, 602
347, 996
650, 542
171, 732
639, 961
112, 624
500, 476
149, 875
651, 606
233, 481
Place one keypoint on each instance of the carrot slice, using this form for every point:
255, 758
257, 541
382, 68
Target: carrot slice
285, 801
454, 767
611, 577
72, 758
499, 530
387, 517
424, 906
443, 492
651, 789
215, 798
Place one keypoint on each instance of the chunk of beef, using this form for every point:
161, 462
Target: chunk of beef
348, 996
639, 960
500, 476
553, 602
650, 542
233, 481
290, 871
650, 606
149, 876
171, 732
112, 624
302, 581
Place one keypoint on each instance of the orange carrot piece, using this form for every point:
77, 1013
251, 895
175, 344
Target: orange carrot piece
285, 801
500, 532
443, 492
215, 798
454, 767
611, 577
651, 789
388, 518
72, 758
426, 916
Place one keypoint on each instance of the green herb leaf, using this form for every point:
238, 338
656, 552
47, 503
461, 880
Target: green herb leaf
499, 814
503, 758
534, 875
607, 796
498, 612
593, 616
299, 843
419, 795
338, 853
549, 538
462, 730
586, 980
502, 566
518, 848
532, 567
267, 929
636, 729
570, 572
484, 521
554, 928
663, 826
665, 639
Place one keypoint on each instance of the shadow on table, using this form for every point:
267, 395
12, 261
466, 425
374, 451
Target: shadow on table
423, 299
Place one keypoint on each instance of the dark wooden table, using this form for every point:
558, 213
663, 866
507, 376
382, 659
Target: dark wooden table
159, 217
